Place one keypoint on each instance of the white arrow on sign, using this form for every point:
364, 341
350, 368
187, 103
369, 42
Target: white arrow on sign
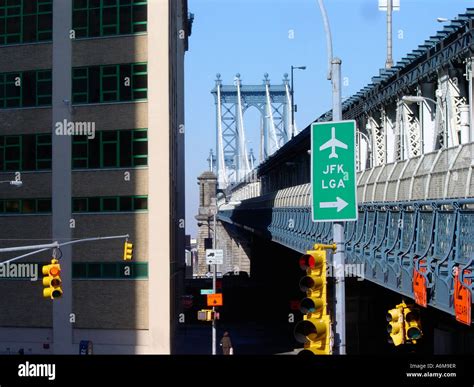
340, 204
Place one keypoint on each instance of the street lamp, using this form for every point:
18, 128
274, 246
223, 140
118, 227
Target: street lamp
293, 99
442, 20
15, 183
334, 75
214, 269
418, 99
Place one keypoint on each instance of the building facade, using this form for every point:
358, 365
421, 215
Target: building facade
93, 126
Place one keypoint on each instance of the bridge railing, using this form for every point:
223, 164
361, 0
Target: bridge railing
446, 173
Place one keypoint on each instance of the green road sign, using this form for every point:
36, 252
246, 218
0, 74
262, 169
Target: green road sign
207, 291
333, 175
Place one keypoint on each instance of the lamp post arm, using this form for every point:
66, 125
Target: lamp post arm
327, 29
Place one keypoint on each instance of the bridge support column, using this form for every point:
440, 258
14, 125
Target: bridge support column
389, 129
471, 97
378, 140
411, 130
207, 191
427, 118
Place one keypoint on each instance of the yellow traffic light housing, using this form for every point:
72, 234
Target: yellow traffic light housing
205, 315
127, 251
395, 326
315, 333
404, 324
315, 329
52, 280
412, 324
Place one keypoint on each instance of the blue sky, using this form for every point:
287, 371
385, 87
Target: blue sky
253, 37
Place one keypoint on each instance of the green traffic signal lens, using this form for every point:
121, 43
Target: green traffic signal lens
414, 333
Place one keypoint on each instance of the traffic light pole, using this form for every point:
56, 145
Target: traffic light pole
338, 227
214, 275
49, 246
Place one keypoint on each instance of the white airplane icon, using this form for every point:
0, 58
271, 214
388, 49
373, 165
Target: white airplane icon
333, 143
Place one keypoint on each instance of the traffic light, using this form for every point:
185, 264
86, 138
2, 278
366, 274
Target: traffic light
205, 315
395, 326
404, 324
315, 328
412, 324
51, 280
127, 251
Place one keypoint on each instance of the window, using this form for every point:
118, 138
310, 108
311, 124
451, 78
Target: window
110, 83
43, 151
79, 152
111, 149
140, 203
44, 205
25, 89
25, 152
25, 21
140, 147
110, 270
12, 153
25, 206
79, 205
91, 18
110, 204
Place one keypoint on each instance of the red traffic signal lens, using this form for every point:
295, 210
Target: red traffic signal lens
307, 261
54, 271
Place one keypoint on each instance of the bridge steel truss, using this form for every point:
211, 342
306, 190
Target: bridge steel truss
232, 101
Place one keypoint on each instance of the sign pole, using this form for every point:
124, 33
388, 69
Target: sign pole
214, 275
338, 229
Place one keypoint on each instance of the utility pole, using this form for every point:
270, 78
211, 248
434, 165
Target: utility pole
293, 106
334, 74
389, 62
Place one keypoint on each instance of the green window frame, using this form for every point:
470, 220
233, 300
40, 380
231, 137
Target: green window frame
110, 270
25, 21
109, 147
140, 147
112, 149
94, 18
112, 83
109, 78
25, 89
44, 87
44, 149
80, 151
110, 204
80, 84
29, 152
12, 153
10, 93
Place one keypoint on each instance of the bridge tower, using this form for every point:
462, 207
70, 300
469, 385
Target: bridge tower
233, 161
